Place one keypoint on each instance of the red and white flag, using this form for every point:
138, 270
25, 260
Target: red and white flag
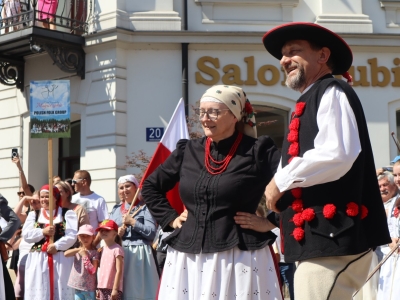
176, 130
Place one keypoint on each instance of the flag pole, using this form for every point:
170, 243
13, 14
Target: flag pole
51, 200
134, 200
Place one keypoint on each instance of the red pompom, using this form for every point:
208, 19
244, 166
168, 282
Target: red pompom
290, 159
308, 214
298, 220
297, 205
294, 124
329, 211
296, 192
294, 149
300, 106
293, 136
298, 234
248, 108
364, 211
352, 209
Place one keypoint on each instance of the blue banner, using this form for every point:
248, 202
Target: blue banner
50, 109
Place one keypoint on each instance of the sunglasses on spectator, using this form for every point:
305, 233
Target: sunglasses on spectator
73, 181
20, 193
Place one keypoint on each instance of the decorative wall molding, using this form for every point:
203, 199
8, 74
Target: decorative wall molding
156, 20
228, 11
392, 13
346, 23
12, 72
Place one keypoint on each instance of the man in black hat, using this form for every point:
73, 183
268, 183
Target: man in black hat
331, 213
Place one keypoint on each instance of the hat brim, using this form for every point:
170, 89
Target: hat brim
341, 53
105, 228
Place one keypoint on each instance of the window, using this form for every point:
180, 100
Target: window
271, 121
69, 155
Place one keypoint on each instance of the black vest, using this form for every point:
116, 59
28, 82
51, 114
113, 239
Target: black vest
342, 234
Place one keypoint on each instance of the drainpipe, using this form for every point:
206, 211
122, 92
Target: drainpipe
185, 60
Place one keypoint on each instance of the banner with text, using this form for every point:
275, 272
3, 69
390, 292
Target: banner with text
50, 109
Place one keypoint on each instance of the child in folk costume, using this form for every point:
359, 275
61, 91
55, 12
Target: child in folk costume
86, 261
111, 263
47, 269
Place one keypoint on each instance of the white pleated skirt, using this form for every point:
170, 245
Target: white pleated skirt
37, 282
389, 279
232, 274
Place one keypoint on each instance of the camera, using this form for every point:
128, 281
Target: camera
14, 153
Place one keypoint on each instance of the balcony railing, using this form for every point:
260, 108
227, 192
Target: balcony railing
68, 16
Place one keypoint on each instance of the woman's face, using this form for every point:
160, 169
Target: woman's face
35, 202
44, 199
223, 127
127, 190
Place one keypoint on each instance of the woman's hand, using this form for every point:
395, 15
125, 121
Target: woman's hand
178, 222
253, 222
48, 231
114, 294
128, 220
51, 249
121, 231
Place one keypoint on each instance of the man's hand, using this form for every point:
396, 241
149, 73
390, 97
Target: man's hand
272, 195
121, 231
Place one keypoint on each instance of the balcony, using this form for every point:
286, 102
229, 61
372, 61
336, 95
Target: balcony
36, 26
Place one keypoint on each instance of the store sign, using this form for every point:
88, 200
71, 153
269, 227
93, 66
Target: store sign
209, 73
154, 134
50, 109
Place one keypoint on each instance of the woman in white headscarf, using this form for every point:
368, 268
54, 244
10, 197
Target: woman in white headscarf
137, 231
221, 176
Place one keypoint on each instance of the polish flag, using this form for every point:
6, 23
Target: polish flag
176, 130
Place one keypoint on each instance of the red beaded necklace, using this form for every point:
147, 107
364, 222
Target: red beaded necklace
45, 215
223, 164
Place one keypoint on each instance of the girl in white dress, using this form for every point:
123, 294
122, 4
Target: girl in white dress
47, 269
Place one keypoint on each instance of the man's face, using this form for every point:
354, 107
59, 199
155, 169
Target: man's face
387, 189
77, 182
300, 63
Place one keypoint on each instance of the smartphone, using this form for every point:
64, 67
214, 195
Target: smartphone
14, 153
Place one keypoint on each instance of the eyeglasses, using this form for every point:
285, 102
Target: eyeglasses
20, 194
73, 181
212, 114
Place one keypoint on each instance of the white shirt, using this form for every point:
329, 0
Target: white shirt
336, 146
95, 207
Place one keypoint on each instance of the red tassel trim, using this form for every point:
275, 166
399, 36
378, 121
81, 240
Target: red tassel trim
294, 149
298, 220
329, 211
296, 192
297, 205
352, 209
294, 124
299, 108
298, 234
293, 136
348, 77
308, 214
364, 212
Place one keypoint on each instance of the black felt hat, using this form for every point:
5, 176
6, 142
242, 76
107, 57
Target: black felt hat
340, 52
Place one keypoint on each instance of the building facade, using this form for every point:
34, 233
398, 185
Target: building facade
135, 56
